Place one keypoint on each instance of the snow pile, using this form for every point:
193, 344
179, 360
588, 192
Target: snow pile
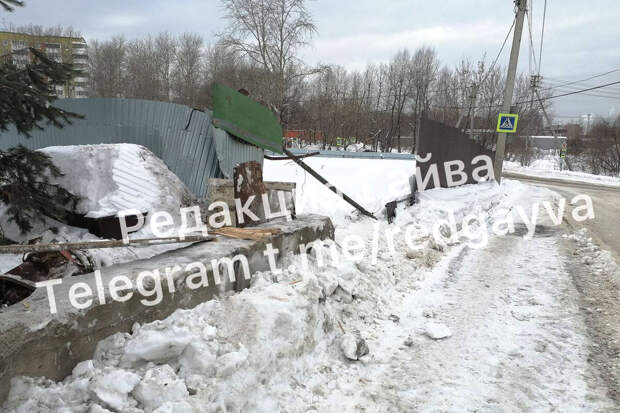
548, 165
113, 177
600, 261
208, 358
437, 331
315, 338
370, 182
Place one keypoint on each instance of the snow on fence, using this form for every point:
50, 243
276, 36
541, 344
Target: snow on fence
184, 138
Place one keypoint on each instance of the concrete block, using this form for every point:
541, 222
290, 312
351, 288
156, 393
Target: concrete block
34, 342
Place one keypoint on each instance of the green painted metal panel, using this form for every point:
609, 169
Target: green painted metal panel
246, 119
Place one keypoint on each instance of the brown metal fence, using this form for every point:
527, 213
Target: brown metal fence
446, 143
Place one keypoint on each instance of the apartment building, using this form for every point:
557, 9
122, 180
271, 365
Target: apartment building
59, 48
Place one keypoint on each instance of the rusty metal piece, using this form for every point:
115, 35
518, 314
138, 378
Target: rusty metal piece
288, 158
19, 282
13, 290
390, 211
43, 266
248, 183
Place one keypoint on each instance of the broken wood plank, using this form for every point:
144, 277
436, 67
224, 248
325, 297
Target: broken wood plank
254, 234
86, 245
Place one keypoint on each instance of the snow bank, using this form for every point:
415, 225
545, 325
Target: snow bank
599, 260
227, 355
114, 177
548, 166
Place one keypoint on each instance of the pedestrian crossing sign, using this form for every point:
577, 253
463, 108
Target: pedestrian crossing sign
507, 122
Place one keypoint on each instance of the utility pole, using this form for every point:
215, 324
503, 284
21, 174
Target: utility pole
510, 86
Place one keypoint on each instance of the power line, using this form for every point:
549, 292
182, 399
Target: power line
514, 21
604, 93
584, 80
542, 37
499, 54
600, 96
582, 91
532, 54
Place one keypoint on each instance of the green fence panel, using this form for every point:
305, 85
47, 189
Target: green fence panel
246, 119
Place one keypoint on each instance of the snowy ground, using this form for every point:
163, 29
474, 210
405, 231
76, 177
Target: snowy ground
448, 328
371, 183
549, 166
467, 326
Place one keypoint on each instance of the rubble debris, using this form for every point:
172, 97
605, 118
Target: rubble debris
13, 290
353, 347
390, 207
46, 259
394, 318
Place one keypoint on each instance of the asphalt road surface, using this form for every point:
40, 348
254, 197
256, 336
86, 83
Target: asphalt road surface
605, 227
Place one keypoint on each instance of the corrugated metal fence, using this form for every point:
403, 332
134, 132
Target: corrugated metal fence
181, 136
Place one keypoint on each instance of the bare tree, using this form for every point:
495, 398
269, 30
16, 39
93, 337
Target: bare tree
107, 66
142, 79
269, 33
165, 52
603, 153
187, 72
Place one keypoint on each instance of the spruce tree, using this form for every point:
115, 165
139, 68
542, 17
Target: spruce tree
26, 97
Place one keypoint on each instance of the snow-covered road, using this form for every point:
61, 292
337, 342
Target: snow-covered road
519, 340
518, 343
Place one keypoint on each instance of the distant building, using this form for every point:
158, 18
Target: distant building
306, 136
547, 142
59, 48
570, 130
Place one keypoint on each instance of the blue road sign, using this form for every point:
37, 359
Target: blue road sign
507, 122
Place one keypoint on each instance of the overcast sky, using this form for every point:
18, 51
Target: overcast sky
582, 38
